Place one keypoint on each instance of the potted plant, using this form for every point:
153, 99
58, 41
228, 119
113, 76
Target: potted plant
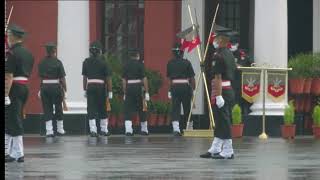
296, 80
161, 111
152, 115
316, 121
288, 129
237, 126
315, 86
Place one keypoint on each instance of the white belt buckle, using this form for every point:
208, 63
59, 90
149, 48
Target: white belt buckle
20, 78
180, 81
50, 81
95, 81
132, 81
225, 83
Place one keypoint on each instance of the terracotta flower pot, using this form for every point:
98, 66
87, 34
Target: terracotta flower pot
236, 130
135, 120
316, 131
168, 120
296, 86
120, 121
307, 86
299, 104
288, 131
161, 120
307, 104
315, 86
153, 118
112, 121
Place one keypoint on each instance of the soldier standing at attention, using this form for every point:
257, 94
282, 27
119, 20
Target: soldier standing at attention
53, 89
19, 67
242, 60
222, 99
132, 78
181, 84
97, 85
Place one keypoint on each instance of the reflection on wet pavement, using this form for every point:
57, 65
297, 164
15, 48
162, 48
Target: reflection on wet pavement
164, 157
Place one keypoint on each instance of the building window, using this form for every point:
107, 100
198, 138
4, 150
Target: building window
229, 15
123, 26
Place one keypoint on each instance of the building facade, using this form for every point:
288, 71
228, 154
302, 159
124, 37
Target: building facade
271, 30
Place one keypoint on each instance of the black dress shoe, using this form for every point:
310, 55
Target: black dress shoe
218, 156
20, 159
9, 159
105, 133
129, 134
143, 133
93, 134
176, 133
50, 135
60, 134
206, 155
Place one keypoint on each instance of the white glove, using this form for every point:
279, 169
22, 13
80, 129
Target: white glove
124, 97
147, 96
219, 101
85, 94
65, 95
110, 95
169, 95
7, 101
39, 94
194, 93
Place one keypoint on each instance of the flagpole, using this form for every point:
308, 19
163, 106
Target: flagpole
213, 22
203, 75
8, 20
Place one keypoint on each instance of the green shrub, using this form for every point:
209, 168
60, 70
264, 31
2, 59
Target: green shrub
116, 106
160, 107
236, 114
301, 65
154, 81
316, 115
289, 114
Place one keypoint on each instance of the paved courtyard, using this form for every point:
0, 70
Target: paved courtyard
164, 157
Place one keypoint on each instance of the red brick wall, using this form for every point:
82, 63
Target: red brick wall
39, 19
162, 22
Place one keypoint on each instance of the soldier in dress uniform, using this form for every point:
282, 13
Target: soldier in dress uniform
19, 67
222, 99
53, 89
97, 85
181, 84
135, 87
242, 59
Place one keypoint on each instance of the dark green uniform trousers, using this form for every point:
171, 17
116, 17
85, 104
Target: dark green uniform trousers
18, 96
96, 101
133, 102
52, 94
181, 93
222, 116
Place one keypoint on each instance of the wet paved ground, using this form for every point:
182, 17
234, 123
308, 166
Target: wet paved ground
164, 157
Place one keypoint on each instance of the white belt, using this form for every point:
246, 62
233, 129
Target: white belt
180, 81
50, 81
95, 81
225, 83
20, 78
133, 81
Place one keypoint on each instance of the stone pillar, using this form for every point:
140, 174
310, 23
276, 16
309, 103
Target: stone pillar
73, 48
193, 56
270, 46
316, 26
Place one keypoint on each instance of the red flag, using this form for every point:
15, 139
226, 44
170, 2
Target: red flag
194, 43
184, 44
229, 45
211, 38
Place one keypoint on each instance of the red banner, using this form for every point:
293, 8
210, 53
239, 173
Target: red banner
250, 86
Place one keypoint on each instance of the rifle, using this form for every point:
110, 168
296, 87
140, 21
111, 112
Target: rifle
108, 105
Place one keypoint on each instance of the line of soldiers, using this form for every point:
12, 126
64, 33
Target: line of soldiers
97, 87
